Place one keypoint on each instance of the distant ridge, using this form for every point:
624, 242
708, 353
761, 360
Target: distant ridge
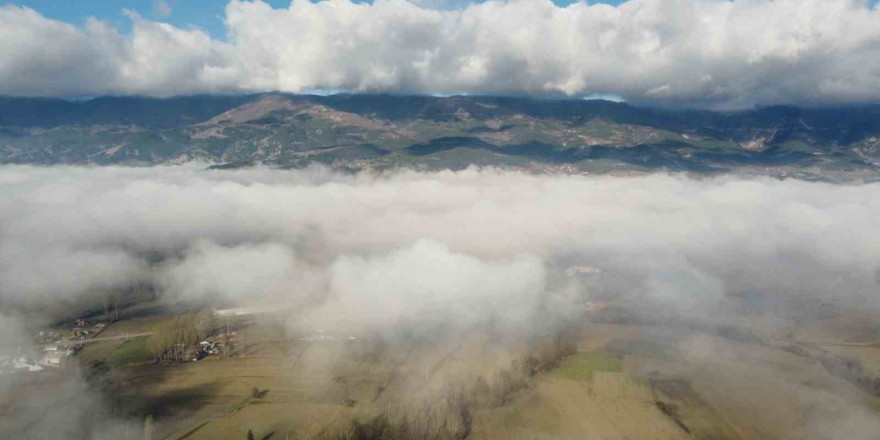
365, 131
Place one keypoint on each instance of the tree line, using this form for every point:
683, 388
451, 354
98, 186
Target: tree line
450, 417
178, 339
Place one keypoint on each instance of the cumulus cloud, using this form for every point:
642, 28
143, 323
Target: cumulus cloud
711, 53
44, 57
39, 56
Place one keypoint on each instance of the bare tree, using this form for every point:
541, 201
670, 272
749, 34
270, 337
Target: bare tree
179, 338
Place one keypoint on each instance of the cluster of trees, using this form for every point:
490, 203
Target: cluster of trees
843, 367
450, 417
426, 421
543, 355
178, 339
852, 371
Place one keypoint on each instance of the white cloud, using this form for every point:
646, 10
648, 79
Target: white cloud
703, 52
427, 284
258, 272
46, 57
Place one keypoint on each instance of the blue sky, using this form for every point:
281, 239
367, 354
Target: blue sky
204, 14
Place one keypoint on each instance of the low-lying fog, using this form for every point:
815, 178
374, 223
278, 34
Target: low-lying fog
434, 253
375, 250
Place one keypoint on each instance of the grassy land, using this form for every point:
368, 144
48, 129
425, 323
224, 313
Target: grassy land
132, 351
624, 385
581, 366
612, 407
95, 352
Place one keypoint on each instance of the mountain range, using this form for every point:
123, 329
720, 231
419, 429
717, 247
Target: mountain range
357, 131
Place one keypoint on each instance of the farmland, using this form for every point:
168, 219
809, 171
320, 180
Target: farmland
608, 373
619, 381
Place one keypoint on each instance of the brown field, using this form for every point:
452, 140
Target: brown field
220, 391
674, 389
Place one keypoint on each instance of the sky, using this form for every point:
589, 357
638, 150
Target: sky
717, 54
203, 14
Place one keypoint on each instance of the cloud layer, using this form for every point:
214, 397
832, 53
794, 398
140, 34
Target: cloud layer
377, 252
709, 53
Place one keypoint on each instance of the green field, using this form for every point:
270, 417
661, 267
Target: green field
581, 366
95, 352
132, 351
